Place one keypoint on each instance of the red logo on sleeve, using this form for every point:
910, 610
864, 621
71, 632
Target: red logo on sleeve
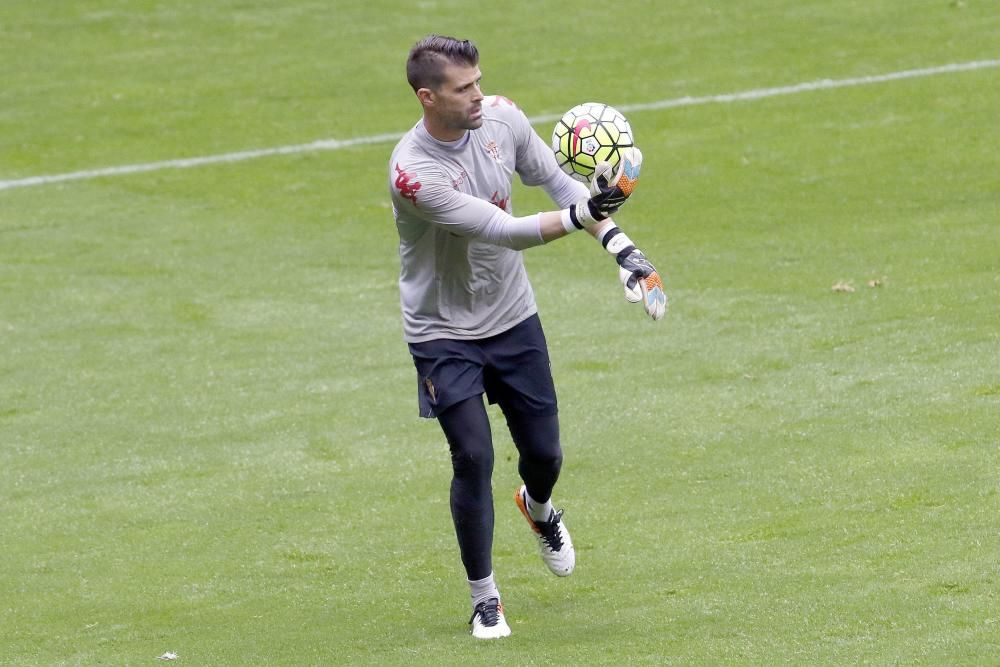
407, 190
498, 99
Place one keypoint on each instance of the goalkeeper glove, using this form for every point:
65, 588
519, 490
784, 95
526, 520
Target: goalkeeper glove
608, 191
640, 279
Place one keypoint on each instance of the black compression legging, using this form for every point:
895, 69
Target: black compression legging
467, 428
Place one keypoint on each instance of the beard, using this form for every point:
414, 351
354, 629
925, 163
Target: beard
467, 119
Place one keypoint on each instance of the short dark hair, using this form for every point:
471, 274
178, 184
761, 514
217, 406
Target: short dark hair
428, 58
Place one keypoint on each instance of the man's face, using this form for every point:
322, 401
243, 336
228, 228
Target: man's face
458, 102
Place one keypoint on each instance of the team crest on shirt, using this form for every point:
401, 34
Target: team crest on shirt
406, 186
493, 150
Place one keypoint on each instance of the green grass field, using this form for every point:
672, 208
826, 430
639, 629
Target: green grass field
208, 432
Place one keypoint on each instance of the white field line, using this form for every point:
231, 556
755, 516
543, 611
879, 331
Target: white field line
337, 144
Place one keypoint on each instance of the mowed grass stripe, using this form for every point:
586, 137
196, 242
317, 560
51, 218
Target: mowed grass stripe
337, 144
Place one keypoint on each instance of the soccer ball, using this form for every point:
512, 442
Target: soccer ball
587, 134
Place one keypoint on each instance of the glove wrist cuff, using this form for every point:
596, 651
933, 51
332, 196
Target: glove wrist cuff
616, 242
569, 219
581, 215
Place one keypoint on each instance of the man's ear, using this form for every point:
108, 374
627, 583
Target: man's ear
426, 97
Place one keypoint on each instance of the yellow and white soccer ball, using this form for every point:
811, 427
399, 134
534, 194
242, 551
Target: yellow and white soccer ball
589, 133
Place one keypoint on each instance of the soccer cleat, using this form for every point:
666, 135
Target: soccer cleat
488, 621
554, 542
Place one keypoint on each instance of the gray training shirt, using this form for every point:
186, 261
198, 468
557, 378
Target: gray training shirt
461, 270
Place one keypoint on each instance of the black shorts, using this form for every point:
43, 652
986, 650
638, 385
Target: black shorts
511, 368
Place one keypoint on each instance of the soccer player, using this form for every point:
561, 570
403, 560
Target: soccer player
469, 313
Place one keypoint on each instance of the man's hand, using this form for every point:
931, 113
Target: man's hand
642, 282
639, 277
608, 191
